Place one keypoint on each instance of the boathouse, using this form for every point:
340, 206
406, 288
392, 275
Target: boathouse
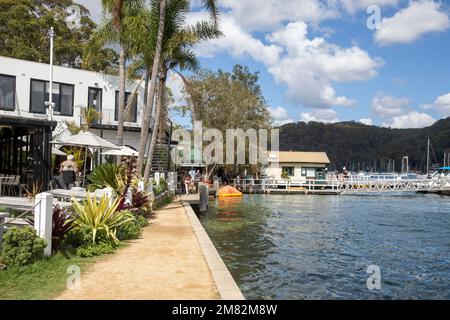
297, 165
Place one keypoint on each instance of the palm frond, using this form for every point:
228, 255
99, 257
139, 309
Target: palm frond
212, 7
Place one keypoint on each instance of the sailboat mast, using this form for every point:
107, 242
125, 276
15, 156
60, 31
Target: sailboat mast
428, 156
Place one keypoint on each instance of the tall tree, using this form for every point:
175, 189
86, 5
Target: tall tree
122, 24
176, 43
227, 100
118, 9
161, 8
24, 26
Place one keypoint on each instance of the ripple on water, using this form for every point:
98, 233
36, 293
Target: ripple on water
319, 247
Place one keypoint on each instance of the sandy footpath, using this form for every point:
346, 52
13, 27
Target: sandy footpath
167, 263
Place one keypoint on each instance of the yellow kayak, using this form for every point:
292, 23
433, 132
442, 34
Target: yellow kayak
229, 191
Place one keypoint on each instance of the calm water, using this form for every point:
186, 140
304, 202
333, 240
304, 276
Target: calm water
319, 247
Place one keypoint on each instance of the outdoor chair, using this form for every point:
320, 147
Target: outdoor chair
12, 185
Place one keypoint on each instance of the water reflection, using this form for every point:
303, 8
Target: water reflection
316, 247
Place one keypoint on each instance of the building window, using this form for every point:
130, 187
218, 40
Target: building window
37, 103
95, 101
289, 171
308, 172
132, 114
62, 97
7, 92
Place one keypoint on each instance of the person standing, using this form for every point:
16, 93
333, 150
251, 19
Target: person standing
68, 171
192, 174
187, 182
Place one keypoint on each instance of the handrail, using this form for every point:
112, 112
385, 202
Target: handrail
21, 215
344, 185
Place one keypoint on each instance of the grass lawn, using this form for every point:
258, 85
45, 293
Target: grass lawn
44, 279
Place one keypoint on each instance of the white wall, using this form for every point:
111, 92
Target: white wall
129, 138
24, 71
274, 169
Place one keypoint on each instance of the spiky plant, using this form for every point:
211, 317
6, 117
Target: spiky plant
99, 218
107, 176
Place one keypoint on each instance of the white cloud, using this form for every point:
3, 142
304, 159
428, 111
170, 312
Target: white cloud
352, 6
280, 116
268, 15
366, 121
321, 115
387, 106
309, 67
95, 9
412, 119
409, 24
441, 104
237, 43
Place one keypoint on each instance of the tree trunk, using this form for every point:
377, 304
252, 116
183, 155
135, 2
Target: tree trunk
121, 106
151, 93
159, 106
147, 82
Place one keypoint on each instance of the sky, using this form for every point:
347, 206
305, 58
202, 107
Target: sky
379, 62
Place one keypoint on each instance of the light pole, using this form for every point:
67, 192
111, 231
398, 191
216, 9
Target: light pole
50, 104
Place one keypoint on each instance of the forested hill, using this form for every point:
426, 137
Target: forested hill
361, 147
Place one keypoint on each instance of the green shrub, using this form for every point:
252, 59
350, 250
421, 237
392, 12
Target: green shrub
22, 246
100, 220
159, 189
132, 229
107, 176
91, 250
79, 237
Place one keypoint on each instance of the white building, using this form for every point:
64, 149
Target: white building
297, 165
25, 127
24, 90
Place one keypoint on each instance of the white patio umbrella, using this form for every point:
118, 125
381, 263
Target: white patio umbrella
86, 140
123, 151
58, 152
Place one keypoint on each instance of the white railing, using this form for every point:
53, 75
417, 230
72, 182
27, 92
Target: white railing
341, 186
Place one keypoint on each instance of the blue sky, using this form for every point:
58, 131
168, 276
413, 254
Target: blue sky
319, 61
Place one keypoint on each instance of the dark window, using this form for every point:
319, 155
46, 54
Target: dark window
7, 92
288, 170
37, 100
132, 114
62, 97
95, 101
66, 100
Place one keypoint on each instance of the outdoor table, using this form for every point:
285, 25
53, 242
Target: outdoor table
77, 193
64, 193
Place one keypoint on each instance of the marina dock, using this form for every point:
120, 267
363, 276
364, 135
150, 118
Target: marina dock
344, 186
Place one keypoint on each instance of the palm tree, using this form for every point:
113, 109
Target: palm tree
176, 43
119, 27
160, 7
177, 53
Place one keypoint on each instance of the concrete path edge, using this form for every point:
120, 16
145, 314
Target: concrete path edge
228, 289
